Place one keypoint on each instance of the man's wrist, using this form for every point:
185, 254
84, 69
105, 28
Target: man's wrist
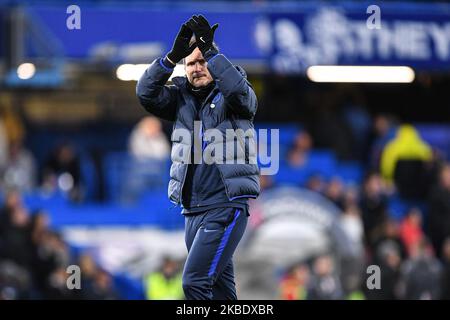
209, 53
168, 62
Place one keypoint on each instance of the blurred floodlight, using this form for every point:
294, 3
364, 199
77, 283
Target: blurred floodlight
379, 74
139, 70
26, 71
133, 72
125, 72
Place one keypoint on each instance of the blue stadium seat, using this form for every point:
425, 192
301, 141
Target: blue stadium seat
129, 288
351, 172
323, 162
54, 202
398, 207
436, 136
288, 175
287, 132
89, 176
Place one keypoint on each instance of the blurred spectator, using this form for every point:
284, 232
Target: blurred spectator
403, 160
13, 125
56, 288
445, 284
15, 249
352, 266
96, 284
19, 169
11, 131
315, 183
88, 269
15, 282
147, 140
149, 150
12, 201
384, 128
389, 238
3, 144
355, 291
294, 283
373, 205
102, 287
358, 120
165, 284
351, 220
324, 283
51, 256
407, 144
439, 210
298, 154
421, 274
389, 260
15, 242
388, 254
411, 230
62, 171
334, 192
39, 226
39, 229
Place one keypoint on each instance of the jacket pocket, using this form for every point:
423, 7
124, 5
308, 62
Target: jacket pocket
242, 142
215, 224
212, 232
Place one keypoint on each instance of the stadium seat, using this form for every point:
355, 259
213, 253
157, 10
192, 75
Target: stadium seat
350, 172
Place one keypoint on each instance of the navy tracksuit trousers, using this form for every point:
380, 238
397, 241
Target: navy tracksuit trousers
211, 239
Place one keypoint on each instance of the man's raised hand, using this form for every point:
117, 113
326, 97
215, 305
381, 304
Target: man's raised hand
181, 48
204, 33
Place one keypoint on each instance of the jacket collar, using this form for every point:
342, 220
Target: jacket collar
181, 82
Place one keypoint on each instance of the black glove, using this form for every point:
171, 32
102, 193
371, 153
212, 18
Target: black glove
181, 48
204, 33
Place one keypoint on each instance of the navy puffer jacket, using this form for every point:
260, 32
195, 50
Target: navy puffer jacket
232, 105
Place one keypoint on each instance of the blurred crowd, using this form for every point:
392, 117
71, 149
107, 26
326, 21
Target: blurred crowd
413, 253
20, 171
34, 259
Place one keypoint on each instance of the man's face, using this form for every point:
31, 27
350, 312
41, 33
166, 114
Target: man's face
196, 69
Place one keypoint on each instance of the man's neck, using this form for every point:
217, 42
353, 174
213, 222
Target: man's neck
201, 92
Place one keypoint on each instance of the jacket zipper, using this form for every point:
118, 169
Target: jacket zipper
203, 130
217, 167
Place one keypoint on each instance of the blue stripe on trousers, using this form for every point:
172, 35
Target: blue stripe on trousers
223, 242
